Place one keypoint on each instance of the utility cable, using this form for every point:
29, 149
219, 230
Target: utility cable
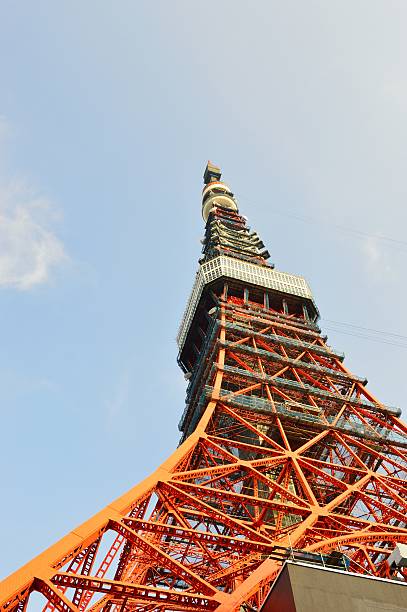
357, 331
368, 329
312, 221
381, 340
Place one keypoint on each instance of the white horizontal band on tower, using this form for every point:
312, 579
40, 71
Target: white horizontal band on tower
262, 276
215, 185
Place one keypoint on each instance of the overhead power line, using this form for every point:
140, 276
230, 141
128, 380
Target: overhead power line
366, 333
350, 329
368, 329
395, 242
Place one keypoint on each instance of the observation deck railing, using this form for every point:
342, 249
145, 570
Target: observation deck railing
381, 435
309, 389
320, 350
296, 363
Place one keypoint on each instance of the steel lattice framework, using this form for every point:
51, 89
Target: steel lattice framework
284, 453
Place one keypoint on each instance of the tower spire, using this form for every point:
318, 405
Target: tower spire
226, 230
215, 192
212, 173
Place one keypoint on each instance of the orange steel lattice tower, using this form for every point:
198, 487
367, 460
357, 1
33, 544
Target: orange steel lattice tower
284, 454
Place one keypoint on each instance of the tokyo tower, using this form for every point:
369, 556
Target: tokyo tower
284, 455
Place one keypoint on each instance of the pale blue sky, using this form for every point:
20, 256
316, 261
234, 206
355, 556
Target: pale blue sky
109, 111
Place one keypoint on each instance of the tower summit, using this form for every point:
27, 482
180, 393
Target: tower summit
215, 192
284, 455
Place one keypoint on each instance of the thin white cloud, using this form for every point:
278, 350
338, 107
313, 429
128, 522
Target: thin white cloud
380, 265
116, 405
4, 127
372, 251
29, 249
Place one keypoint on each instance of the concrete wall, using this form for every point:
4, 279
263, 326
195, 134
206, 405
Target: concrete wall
302, 588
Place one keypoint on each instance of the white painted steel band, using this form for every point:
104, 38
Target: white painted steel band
262, 276
217, 185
